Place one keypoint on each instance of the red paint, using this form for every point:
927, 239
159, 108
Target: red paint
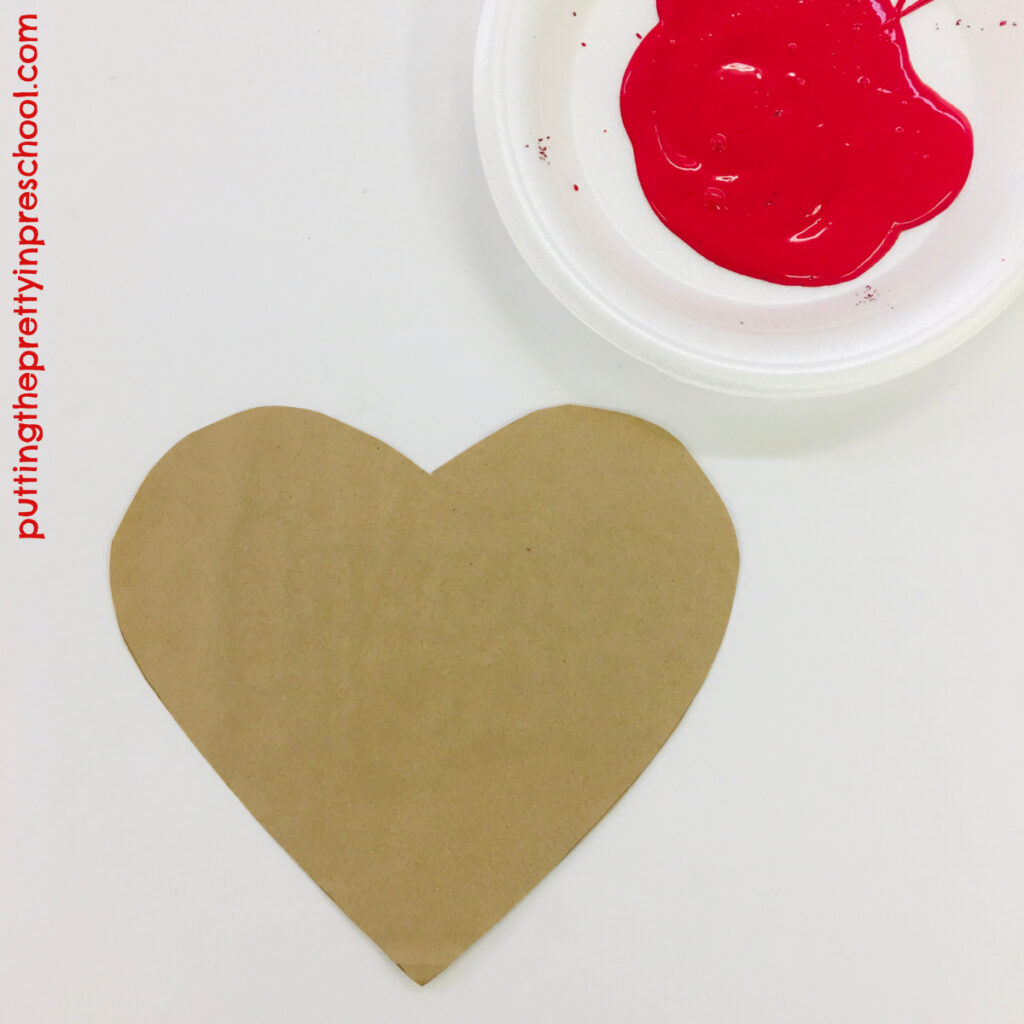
790, 140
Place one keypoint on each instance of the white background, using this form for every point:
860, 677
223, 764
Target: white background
249, 203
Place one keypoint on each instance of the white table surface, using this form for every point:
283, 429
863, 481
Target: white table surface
249, 203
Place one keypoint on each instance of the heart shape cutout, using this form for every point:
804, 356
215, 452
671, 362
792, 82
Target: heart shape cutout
427, 687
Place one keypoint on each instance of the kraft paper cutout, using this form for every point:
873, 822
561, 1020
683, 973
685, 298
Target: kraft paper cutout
427, 688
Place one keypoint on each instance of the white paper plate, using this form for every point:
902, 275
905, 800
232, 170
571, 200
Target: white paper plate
605, 254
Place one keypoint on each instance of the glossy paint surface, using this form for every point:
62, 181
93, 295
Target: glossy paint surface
790, 140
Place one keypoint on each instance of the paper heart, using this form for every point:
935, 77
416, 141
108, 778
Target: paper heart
427, 687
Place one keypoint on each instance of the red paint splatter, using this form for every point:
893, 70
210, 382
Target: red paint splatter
575, 188
784, 154
867, 294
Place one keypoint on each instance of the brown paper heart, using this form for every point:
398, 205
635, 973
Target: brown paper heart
427, 688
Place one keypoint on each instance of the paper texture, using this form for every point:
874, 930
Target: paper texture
427, 688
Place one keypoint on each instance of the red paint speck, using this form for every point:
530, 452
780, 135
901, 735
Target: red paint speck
575, 188
639, 36
1001, 24
583, 44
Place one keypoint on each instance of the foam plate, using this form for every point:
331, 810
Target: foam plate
561, 170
